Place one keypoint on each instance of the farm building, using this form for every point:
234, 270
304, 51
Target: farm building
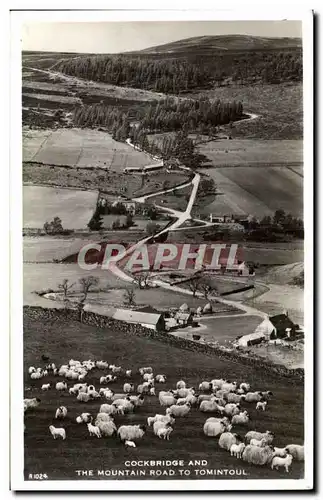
148, 320
273, 327
184, 318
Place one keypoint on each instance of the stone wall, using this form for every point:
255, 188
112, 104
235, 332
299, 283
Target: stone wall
89, 318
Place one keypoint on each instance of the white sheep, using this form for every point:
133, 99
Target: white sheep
164, 432
261, 405
213, 429
116, 369
108, 409
296, 450
259, 442
162, 418
182, 393
31, 403
147, 377
128, 374
237, 449
211, 406
107, 429
178, 410
180, 384
61, 386
83, 396
152, 391
161, 379
31, 369
143, 389
253, 397
128, 387
280, 452
257, 455
131, 432
218, 383
57, 432
103, 417
240, 419
205, 386
131, 444
227, 439
102, 364
36, 375
229, 386
145, 369
73, 391
231, 397
84, 417
93, 394
259, 435
190, 398
244, 386
166, 400
94, 430
123, 406
137, 400
282, 462
45, 387
61, 412
159, 424
231, 409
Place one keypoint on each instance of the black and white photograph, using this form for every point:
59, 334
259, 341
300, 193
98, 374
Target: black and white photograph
164, 221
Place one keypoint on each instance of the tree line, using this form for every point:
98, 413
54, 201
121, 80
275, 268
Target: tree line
180, 73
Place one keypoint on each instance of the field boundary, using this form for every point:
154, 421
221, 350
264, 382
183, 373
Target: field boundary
90, 318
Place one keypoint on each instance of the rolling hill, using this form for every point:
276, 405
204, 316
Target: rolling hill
207, 44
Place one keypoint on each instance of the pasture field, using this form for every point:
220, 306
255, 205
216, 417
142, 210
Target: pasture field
41, 204
63, 340
82, 148
280, 109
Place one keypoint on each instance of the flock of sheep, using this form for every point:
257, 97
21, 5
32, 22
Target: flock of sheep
220, 397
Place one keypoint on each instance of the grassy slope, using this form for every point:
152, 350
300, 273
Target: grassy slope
60, 459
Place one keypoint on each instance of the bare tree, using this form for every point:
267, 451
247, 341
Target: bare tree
87, 283
194, 285
205, 288
129, 297
142, 280
65, 287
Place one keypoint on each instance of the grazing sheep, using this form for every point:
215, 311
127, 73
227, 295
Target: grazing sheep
231, 409
165, 400
131, 444
61, 412
145, 369
227, 439
102, 364
182, 393
164, 432
119, 395
258, 456
218, 383
204, 397
244, 386
80, 387
152, 391
266, 395
94, 430
137, 400
231, 397
123, 406
107, 429
229, 386
108, 409
116, 369
73, 391
159, 424
84, 417
31, 403
253, 397
143, 389
107, 393
161, 379
103, 417
128, 388
31, 369
45, 387
61, 386
83, 396
213, 429
241, 418
147, 377
205, 386
161, 418
57, 432
190, 398
282, 462
178, 410
36, 375
128, 374
131, 432
261, 405
211, 406
280, 452
180, 384
296, 450
259, 442
259, 435
237, 450
110, 378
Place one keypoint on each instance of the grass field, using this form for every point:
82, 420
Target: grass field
82, 148
41, 204
226, 329
60, 459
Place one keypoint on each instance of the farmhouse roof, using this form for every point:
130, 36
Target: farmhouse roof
136, 316
148, 309
281, 321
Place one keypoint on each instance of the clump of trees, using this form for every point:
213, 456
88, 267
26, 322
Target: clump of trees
129, 297
54, 227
